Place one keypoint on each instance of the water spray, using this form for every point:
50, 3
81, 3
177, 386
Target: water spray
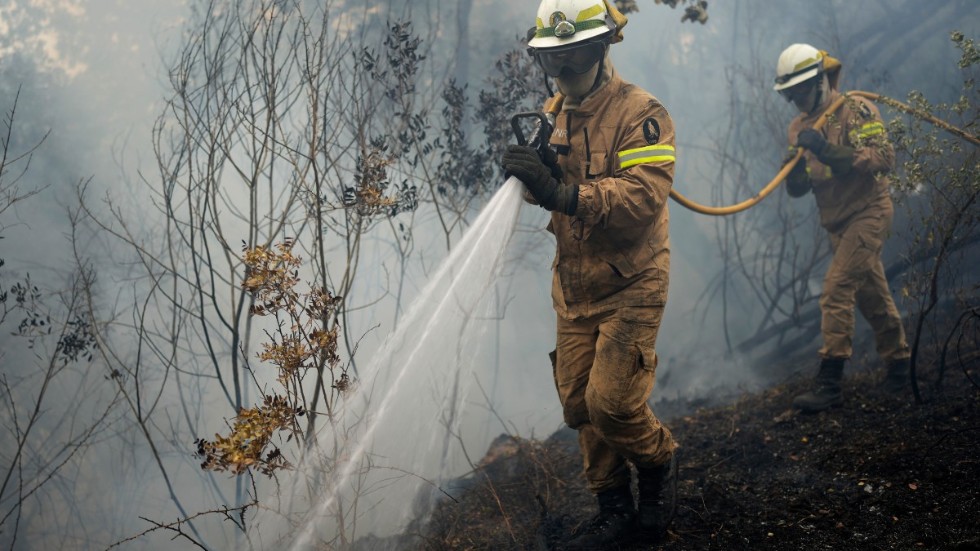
454, 296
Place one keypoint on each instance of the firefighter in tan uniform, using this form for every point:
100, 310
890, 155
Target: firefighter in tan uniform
846, 166
607, 183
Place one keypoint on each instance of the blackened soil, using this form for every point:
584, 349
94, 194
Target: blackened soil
876, 473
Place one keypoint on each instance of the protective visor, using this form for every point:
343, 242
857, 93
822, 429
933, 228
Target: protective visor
799, 90
578, 58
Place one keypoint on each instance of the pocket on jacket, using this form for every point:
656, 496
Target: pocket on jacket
596, 166
648, 358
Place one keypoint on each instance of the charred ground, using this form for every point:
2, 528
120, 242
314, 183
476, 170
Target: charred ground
877, 473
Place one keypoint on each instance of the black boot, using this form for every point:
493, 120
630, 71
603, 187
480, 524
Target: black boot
657, 502
897, 376
826, 391
613, 524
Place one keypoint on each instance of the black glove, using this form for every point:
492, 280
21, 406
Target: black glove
524, 163
798, 180
812, 140
839, 158
550, 160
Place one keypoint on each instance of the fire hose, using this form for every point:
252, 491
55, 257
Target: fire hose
542, 134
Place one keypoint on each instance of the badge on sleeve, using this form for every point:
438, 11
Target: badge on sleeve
651, 130
864, 110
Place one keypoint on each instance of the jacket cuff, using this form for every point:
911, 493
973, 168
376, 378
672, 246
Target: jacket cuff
568, 200
586, 209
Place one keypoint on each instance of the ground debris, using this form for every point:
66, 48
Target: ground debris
876, 473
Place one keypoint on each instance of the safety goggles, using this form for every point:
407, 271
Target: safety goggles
577, 58
800, 90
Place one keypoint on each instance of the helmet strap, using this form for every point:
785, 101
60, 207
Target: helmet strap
598, 74
818, 96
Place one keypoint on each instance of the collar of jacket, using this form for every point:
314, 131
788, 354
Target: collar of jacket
811, 118
610, 79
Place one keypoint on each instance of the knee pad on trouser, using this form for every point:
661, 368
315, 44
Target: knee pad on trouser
574, 410
616, 396
607, 415
576, 417
621, 381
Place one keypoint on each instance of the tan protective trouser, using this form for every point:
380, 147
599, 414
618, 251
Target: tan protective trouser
604, 371
856, 276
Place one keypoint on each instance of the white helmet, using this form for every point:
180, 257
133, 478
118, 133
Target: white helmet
797, 63
564, 22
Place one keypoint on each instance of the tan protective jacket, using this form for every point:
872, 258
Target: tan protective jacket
618, 145
858, 124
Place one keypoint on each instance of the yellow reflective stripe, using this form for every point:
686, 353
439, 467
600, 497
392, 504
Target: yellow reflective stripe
539, 22
866, 130
806, 62
649, 154
589, 13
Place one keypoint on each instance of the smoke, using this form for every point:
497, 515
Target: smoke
94, 76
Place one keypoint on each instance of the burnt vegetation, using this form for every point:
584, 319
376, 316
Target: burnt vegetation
877, 473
